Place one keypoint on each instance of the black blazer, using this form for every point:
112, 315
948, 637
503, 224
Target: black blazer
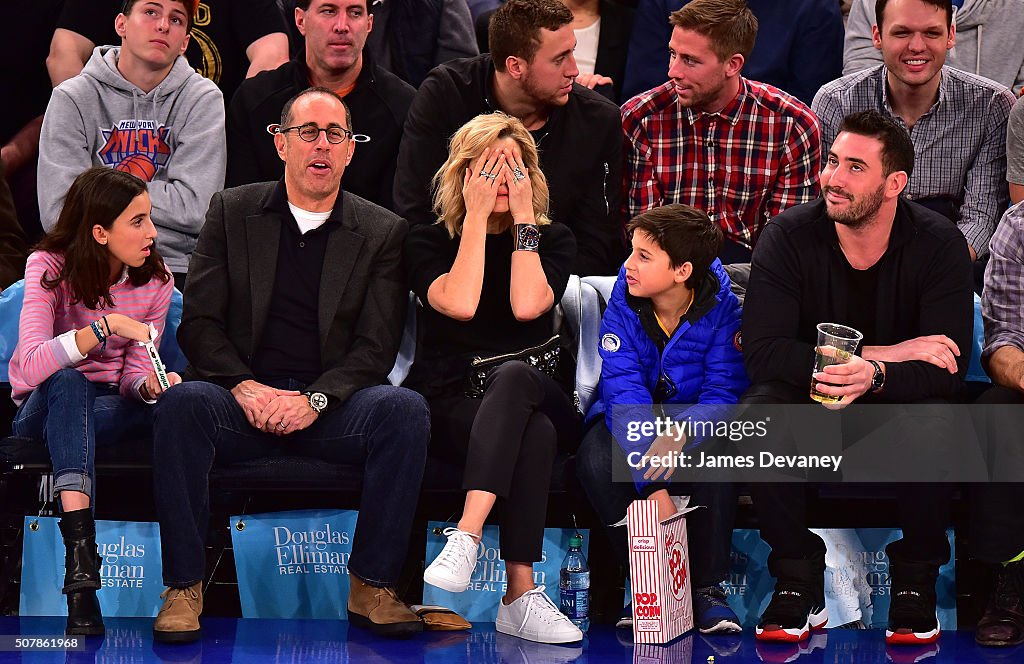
363, 291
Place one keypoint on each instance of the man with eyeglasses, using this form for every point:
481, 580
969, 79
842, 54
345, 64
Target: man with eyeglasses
140, 108
294, 310
335, 32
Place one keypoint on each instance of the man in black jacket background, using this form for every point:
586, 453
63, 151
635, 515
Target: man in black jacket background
529, 74
334, 58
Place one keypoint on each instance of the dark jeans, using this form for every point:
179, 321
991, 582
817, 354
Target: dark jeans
72, 415
923, 510
382, 428
709, 529
509, 440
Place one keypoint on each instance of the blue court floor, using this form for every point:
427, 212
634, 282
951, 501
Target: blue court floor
129, 641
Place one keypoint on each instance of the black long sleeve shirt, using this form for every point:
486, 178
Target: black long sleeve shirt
799, 278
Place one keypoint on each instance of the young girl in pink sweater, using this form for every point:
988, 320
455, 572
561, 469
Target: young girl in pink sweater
93, 287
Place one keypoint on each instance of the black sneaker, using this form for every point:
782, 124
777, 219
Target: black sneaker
912, 619
1003, 622
791, 615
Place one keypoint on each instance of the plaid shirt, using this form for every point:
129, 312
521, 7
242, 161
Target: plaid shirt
1002, 300
959, 144
743, 165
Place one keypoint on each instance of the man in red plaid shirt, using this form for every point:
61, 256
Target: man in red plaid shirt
740, 150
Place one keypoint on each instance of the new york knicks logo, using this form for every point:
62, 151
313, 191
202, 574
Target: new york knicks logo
139, 147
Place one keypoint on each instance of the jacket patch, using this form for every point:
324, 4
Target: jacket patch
737, 340
610, 343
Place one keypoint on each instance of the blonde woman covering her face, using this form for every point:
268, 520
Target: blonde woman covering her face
489, 273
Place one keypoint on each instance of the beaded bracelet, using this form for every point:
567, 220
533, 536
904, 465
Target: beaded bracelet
98, 331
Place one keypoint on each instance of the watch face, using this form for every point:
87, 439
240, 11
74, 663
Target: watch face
878, 378
318, 401
529, 236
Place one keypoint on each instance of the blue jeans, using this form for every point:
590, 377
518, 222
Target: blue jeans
385, 429
71, 415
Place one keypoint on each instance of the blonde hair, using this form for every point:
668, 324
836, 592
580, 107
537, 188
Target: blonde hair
466, 146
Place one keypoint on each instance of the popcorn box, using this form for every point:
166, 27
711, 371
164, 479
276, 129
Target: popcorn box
659, 570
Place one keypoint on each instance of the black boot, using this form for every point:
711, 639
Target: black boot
81, 573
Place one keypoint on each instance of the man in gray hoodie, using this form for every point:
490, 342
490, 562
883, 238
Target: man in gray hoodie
986, 34
142, 109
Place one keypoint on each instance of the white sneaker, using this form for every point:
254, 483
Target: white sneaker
535, 617
453, 567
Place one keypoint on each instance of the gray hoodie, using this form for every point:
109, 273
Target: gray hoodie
172, 136
988, 40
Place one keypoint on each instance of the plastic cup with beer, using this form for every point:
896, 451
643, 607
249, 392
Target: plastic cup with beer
836, 345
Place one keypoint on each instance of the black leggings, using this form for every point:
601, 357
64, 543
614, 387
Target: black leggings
509, 440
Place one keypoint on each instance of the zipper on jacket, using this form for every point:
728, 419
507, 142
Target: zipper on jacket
604, 189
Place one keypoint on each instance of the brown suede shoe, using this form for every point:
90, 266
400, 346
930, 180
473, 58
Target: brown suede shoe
380, 611
178, 620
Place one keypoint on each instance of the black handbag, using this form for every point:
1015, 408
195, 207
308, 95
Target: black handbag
543, 358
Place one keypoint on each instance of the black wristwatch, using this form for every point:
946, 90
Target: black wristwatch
317, 401
527, 237
878, 379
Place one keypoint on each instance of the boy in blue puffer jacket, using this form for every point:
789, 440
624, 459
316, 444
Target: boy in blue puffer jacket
670, 335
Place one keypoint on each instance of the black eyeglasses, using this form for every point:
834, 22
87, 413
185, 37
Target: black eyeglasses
310, 132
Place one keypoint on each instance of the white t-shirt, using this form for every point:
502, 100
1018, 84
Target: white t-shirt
307, 220
586, 47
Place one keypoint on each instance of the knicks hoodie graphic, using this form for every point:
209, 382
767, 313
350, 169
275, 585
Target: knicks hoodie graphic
172, 137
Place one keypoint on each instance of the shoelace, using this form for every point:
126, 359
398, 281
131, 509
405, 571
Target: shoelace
176, 593
461, 548
908, 605
786, 604
713, 596
539, 603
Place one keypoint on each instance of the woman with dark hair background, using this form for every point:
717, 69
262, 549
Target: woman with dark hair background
95, 286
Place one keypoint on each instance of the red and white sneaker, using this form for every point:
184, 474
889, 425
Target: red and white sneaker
912, 619
791, 616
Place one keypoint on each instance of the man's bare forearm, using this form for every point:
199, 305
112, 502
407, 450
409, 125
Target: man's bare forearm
23, 146
1006, 367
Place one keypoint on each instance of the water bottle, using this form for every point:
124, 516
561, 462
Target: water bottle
574, 584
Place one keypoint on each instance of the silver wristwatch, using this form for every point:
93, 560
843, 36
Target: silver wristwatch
317, 401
